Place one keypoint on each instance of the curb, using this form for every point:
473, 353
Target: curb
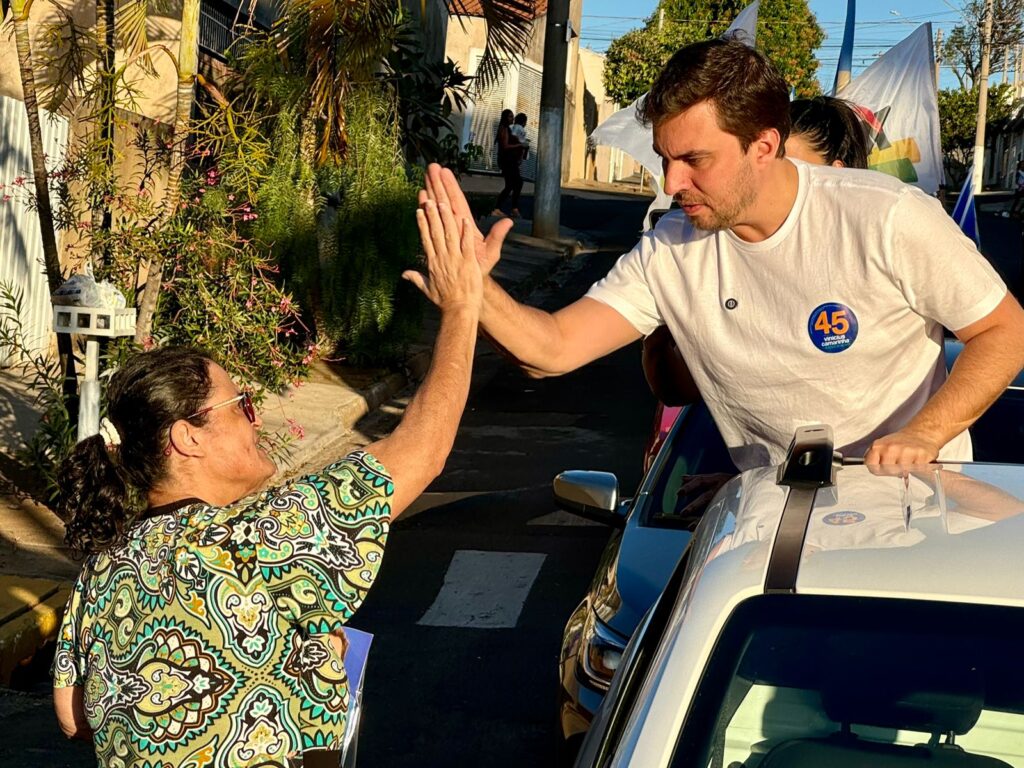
348, 414
32, 611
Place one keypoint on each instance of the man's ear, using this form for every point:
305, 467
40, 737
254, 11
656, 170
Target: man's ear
766, 146
187, 439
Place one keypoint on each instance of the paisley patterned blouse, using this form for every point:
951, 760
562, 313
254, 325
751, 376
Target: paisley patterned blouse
199, 640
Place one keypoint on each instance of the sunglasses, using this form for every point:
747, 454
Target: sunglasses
245, 403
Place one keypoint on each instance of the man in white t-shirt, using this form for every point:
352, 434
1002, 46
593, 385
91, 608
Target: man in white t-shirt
797, 294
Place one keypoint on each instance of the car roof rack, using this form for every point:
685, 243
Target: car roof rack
809, 466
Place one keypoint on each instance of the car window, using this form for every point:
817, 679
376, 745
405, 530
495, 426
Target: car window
695, 448
999, 434
801, 680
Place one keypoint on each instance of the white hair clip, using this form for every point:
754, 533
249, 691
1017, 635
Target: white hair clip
111, 437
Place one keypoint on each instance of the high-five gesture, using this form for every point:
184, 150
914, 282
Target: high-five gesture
443, 187
453, 276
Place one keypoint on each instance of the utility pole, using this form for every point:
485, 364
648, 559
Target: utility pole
938, 57
1018, 72
661, 19
978, 173
547, 197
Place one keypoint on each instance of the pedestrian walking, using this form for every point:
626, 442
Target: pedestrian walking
518, 129
510, 156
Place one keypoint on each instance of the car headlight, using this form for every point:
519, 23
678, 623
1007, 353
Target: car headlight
600, 653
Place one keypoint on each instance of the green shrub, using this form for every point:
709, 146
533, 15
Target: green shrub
377, 237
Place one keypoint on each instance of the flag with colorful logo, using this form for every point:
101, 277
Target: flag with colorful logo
624, 130
896, 97
964, 213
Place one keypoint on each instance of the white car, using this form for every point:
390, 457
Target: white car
825, 615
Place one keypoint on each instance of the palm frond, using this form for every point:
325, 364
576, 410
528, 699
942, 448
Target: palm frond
339, 42
131, 29
509, 28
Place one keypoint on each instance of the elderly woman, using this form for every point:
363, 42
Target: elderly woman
205, 627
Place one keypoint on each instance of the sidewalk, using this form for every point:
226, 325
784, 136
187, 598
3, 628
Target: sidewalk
36, 570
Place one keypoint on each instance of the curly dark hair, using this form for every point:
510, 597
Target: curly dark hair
832, 129
746, 90
98, 485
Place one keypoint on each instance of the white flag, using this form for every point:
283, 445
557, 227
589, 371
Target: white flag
625, 131
896, 97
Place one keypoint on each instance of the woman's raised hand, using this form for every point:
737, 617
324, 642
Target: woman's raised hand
453, 276
443, 187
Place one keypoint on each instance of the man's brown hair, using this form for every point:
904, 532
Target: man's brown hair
747, 92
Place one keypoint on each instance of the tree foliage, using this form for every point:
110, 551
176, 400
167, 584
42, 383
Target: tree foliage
787, 32
958, 117
962, 49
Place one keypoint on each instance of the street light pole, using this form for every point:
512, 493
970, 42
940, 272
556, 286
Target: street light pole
547, 197
978, 173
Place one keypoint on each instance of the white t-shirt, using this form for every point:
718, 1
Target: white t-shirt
519, 131
835, 318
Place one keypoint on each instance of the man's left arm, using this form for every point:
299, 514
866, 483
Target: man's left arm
992, 356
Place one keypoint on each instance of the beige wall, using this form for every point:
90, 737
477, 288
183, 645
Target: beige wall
152, 99
600, 163
154, 95
434, 25
586, 104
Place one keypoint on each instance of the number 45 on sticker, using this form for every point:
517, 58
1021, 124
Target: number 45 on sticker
832, 323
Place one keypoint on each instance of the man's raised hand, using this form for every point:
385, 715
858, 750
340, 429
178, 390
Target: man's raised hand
453, 276
443, 187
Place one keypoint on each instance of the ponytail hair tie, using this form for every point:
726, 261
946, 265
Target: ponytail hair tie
111, 437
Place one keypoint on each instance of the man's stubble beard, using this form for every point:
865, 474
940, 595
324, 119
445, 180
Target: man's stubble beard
727, 213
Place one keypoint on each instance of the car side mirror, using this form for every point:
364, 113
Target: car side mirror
593, 495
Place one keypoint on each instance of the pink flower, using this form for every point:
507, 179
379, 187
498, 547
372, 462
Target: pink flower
6, 198
19, 181
148, 343
296, 429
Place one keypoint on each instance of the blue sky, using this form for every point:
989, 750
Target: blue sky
880, 24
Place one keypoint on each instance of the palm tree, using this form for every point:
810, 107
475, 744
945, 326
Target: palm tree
338, 43
188, 69
51, 259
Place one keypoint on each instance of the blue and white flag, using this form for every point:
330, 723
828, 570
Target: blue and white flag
964, 214
845, 69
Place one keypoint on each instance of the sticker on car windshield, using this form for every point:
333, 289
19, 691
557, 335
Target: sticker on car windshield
832, 327
843, 518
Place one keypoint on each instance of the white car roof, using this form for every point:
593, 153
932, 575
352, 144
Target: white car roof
944, 533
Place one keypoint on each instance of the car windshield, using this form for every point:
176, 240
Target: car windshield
696, 448
840, 681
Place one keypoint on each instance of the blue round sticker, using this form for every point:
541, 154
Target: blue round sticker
832, 327
843, 518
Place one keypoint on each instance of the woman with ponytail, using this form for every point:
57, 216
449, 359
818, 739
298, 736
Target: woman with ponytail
206, 623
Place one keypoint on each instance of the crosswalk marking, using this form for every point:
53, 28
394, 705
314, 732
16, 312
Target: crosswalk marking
484, 590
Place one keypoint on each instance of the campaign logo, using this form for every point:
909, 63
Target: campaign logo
843, 518
895, 157
832, 327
